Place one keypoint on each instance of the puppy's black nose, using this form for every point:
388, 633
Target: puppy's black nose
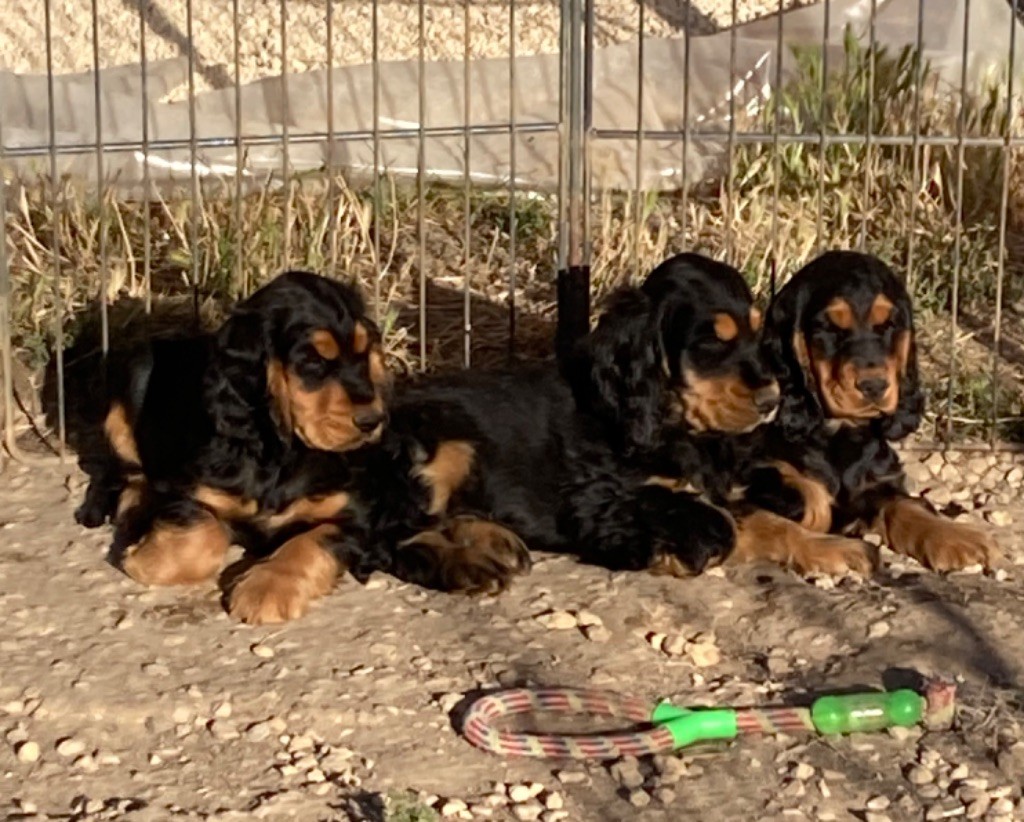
367, 421
873, 388
766, 399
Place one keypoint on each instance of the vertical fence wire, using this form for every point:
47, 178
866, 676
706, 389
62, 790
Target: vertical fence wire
378, 173
467, 158
6, 335
193, 152
638, 204
421, 170
147, 254
586, 131
868, 153
1004, 209
287, 183
241, 272
730, 143
100, 182
915, 145
332, 189
56, 216
513, 227
776, 99
954, 310
684, 183
819, 229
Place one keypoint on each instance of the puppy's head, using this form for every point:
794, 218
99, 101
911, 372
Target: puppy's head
680, 350
840, 334
300, 358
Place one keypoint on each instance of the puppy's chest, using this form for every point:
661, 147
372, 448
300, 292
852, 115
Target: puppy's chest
715, 469
862, 462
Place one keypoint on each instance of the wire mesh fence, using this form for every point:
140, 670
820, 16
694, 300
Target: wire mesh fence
489, 170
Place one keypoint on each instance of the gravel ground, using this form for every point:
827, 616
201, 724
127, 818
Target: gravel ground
118, 702
23, 31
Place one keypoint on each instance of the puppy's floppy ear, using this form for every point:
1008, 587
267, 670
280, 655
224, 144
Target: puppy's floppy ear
910, 410
617, 371
236, 378
785, 350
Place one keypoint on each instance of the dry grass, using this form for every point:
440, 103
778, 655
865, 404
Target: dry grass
762, 214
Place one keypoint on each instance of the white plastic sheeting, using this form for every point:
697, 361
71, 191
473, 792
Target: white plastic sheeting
25, 121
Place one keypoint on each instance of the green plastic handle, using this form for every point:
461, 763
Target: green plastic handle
867, 712
688, 725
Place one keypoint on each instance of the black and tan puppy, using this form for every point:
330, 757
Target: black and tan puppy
245, 433
840, 337
568, 461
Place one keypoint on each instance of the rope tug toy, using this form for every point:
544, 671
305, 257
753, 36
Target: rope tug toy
668, 728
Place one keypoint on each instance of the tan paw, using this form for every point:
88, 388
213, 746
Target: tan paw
474, 556
834, 556
265, 595
951, 546
178, 554
281, 587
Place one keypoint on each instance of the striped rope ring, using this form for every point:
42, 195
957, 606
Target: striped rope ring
477, 725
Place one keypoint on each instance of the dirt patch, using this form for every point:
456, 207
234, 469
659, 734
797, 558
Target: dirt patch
118, 702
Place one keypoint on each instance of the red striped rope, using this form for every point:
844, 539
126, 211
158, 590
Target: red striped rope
478, 724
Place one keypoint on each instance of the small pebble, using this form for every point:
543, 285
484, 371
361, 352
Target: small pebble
674, 645
554, 802
878, 630
899, 733
453, 807
597, 633
571, 777
627, 774
944, 811
639, 798
875, 816
70, 747
877, 803
794, 788
554, 816
315, 775
656, 640
666, 796
978, 808
557, 620
585, 619
705, 654
520, 793
929, 791
920, 775
1002, 807
28, 751
262, 651
803, 771
528, 811
259, 731
86, 763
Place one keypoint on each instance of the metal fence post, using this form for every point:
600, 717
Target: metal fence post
573, 248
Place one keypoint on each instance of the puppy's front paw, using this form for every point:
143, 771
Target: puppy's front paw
177, 554
835, 556
281, 587
467, 554
951, 546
